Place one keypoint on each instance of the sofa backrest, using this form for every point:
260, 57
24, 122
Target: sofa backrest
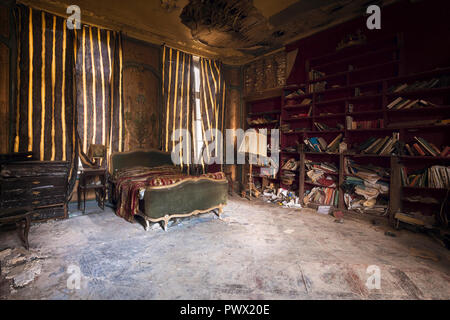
144, 158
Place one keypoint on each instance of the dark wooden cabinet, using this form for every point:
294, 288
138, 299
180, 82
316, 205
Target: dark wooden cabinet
41, 185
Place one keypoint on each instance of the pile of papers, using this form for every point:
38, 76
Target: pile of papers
282, 197
364, 188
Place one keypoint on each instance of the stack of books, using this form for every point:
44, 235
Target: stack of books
318, 177
295, 94
370, 173
381, 146
322, 196
314, 75
318, 144
318, 172
323, 127
317, 87
363, 188
365, 124
325, 167
442, 81
433, 177
403, 104
421, 147
306, 102
262, 120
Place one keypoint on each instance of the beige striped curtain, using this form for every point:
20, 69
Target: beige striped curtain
69, 84
44, 115
178, 100
212, 100
99, 88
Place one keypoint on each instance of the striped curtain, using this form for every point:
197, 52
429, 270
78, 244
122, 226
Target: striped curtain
44, 115
99, 88
212, 101
178, 100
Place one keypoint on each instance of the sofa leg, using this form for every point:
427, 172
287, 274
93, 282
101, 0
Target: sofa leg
219, 211
165, 222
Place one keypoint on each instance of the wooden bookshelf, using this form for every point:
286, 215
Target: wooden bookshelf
363, 92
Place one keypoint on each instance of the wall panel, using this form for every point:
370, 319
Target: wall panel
141, 95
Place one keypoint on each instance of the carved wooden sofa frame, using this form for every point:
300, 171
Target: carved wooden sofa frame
192, 196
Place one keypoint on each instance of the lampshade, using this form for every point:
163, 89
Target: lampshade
254, 143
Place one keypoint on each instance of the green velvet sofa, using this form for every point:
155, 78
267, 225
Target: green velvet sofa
188, 197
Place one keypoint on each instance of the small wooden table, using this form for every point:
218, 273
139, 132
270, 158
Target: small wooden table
22, 218
88, 182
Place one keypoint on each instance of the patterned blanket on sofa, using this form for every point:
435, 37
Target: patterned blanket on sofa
130, 181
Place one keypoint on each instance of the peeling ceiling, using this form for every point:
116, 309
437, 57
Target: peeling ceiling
234, 31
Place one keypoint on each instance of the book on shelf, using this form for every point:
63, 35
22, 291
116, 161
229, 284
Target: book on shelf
437, 82
426, 146
295, 94
319, 178
318, 144
324, 167
382, 146
445, 152
317, 87
364, 124
403, 104
305, 102
418, 149
315, 74
334, 145
364, 188
422, 147
323, 127
322, 195
433, 177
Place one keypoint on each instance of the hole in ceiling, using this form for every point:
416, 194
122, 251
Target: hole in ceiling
278, 33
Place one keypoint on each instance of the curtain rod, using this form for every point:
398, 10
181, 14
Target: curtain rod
188, 52
82, 22
34, 6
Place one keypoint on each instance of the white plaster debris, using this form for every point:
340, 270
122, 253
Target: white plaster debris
5, 253
283, 197
20, 266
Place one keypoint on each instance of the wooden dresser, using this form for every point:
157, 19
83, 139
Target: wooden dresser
41, 185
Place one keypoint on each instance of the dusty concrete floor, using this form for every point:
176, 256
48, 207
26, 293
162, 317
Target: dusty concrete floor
258, 251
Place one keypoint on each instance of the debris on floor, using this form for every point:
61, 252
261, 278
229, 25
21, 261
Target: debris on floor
324, 209
282, 197
20, 266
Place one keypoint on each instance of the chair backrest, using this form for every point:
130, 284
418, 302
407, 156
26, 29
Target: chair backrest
97, 151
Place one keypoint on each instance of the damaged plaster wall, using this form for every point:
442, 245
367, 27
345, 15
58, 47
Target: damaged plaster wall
267, 72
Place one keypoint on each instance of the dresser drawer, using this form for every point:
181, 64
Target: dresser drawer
49, 213
32, 182
33, 193
34, 169
36, 202
41, 185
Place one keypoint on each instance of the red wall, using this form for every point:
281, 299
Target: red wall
425, 25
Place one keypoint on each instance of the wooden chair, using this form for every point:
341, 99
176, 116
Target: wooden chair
94, 170
22, 218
